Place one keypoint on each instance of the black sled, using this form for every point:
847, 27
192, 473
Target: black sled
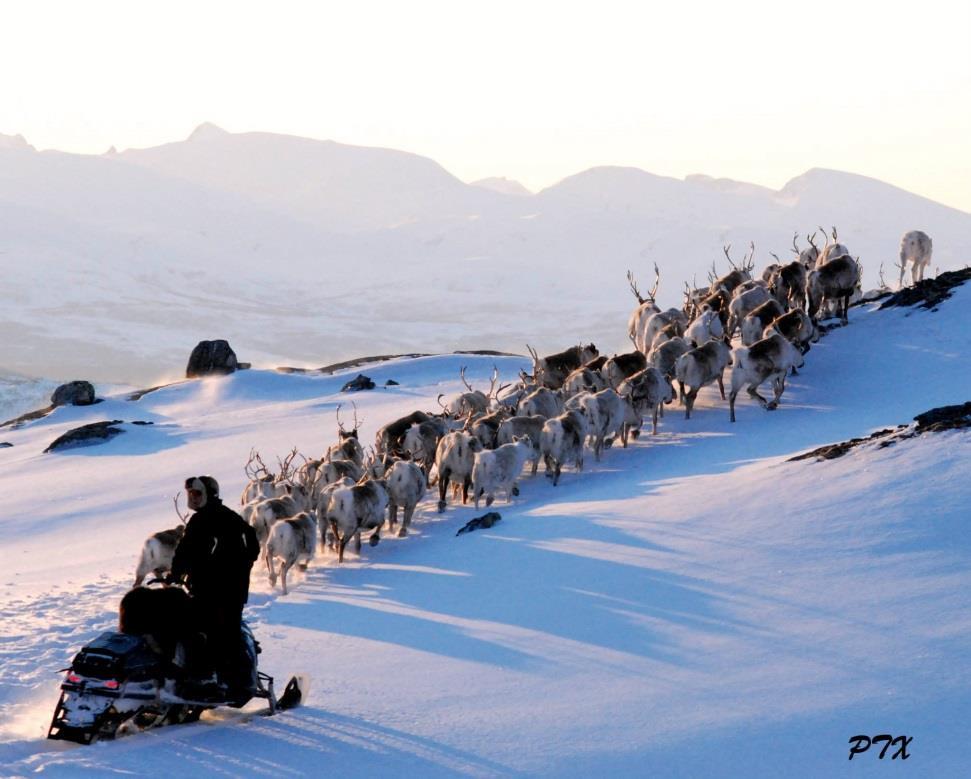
117, 681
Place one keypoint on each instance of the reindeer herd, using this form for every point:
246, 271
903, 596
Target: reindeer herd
476, 446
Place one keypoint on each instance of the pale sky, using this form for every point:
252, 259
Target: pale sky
535, 91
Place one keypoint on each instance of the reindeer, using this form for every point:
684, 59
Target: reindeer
835, 279
294, 542
701, 367
673, 320
551, 371
796, 327
809, 256
706, 325
528, 428
731, 280
389, 438
915, 248
583, 379
621, 366
486, 427
754, 324
421, 440
561, 442
261, 481
609, 415
158, 550
541, 401
665, 357
353, 509
348, 447
744, 303
499, 469
770, 358
454, 459
831, 250
646, 306
406, 486
648, 390
473, 401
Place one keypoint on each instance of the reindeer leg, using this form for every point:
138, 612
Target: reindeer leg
753, 391
689, 403
272, 572
335, 536
721, 384
731, 404
341, 545
284, 567
778, 387
656, 408
406, 521
443, 479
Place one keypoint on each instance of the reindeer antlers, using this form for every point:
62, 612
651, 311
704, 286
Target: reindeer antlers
652, 295
286, 465
748, 262
340, 425
493, 392
183, 518
532, 353
795, 246
633, 287
727, 248
254, 473
811, 241
657, 283
464, 381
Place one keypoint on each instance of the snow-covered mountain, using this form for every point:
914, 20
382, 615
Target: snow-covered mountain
311, 252
503, 185
694, 605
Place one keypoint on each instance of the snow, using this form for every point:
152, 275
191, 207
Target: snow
694, 605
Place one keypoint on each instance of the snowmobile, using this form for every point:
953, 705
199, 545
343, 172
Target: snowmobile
118, 682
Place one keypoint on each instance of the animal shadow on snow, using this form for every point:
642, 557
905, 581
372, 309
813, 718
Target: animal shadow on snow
532, 591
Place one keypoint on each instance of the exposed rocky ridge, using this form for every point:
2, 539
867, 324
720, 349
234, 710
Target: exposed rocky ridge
936, 420
929, 293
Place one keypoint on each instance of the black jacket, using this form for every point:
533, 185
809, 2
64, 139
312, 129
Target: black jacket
216, 554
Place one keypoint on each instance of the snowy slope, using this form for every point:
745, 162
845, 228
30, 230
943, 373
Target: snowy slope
694, 605
310, 252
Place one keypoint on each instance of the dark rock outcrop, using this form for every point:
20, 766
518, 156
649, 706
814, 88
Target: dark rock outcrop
74, 393
358, 383
929, 292
936, 420
95, 432
211, 358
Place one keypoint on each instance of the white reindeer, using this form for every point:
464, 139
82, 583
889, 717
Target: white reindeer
499, 470
915, 248
293, 541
